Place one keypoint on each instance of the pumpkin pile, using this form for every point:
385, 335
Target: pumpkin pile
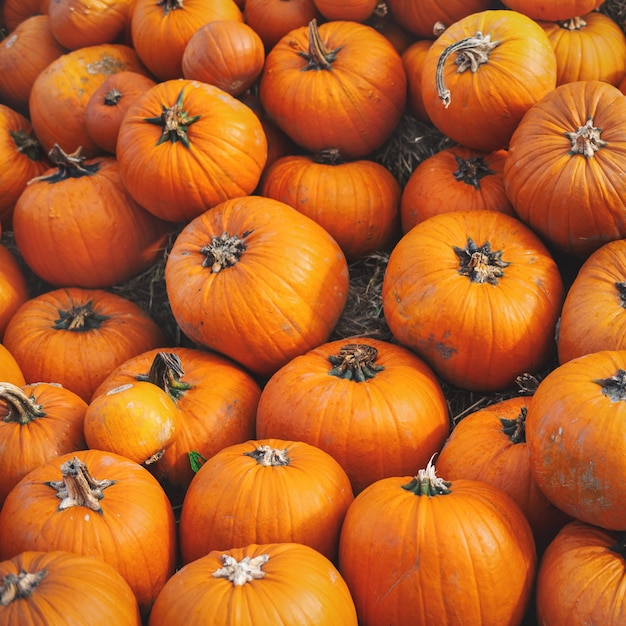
312, 312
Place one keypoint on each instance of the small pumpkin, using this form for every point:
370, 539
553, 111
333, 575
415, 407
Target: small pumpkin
256, 585
265, 491
9, 369
16, 11
354, 10
413, 60
97, 504
58, 588
14, 289
425, 550
552, 10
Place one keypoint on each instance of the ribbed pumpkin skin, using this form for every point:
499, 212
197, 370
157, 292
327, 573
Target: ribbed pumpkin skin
467, 557
75, 590
581, 578
135, 532
9, 369
226, 154
300, 588
552, 10
573, 201
593, 317
486, 106
476, 335
353, 107
388, 425
13, 287
281, 298
575, 431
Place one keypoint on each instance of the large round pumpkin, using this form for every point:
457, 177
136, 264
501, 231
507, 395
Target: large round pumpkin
184, 146
257, 281
560, 171
477, 295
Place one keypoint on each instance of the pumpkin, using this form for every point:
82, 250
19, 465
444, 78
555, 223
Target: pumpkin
454, 179
354, 10
588, 47
477, 295
9, 369
108, 104
16, 11
21, 160
593, 316
490, 445
564, 185
13, 287
217, 400
24, 53
185, 146
552, 10
256, 585
271, 20
225, 53
79, 336
160, 31
73, 77
374, 406
425, 550
356, 202
575, 435
354, 82
580, 578
97, 504
428, 17
59, 588
37, 423
413, 60
483, 73
63, 218
257, 281
265, 491
386, 25
80, 23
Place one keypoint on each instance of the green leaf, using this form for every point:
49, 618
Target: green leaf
196, 460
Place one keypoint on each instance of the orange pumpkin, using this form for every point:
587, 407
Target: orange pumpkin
225, 53
108, 105
258, 585
477, 295
257, 281
413, 58
351, 10
563, 184
357, 202
374, 406
24, 53
79, 336
465, 93
58, 588
552, 10
265, 491
185, 146
455, 179
37, 423
354, 82
97, 504
16, 11
425, 550
9, 369
13, 287
217, 400
62, 218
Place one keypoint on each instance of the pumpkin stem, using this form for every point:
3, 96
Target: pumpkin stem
174, 121
80, 318
21, 408
515, 429
621, 293
480, 263
614, 387
470, 171
318, 56
427, 483
69, 166
573, 23
472, 52
586, 140
328, 156
355, 361
78, 487
170, 5
27, 143
269, 457
18, 587
241, 572
112, 97
223, 251
165, 372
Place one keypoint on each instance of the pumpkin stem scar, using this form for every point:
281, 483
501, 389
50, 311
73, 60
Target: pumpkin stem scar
470, 171
269, 457
614, 387
174, 122
224, 251
355, 362
16, 587
241, 572
27, 144
586, 139
427, 483
515, 429
80, 318
480, 264
318, 56
472, 52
